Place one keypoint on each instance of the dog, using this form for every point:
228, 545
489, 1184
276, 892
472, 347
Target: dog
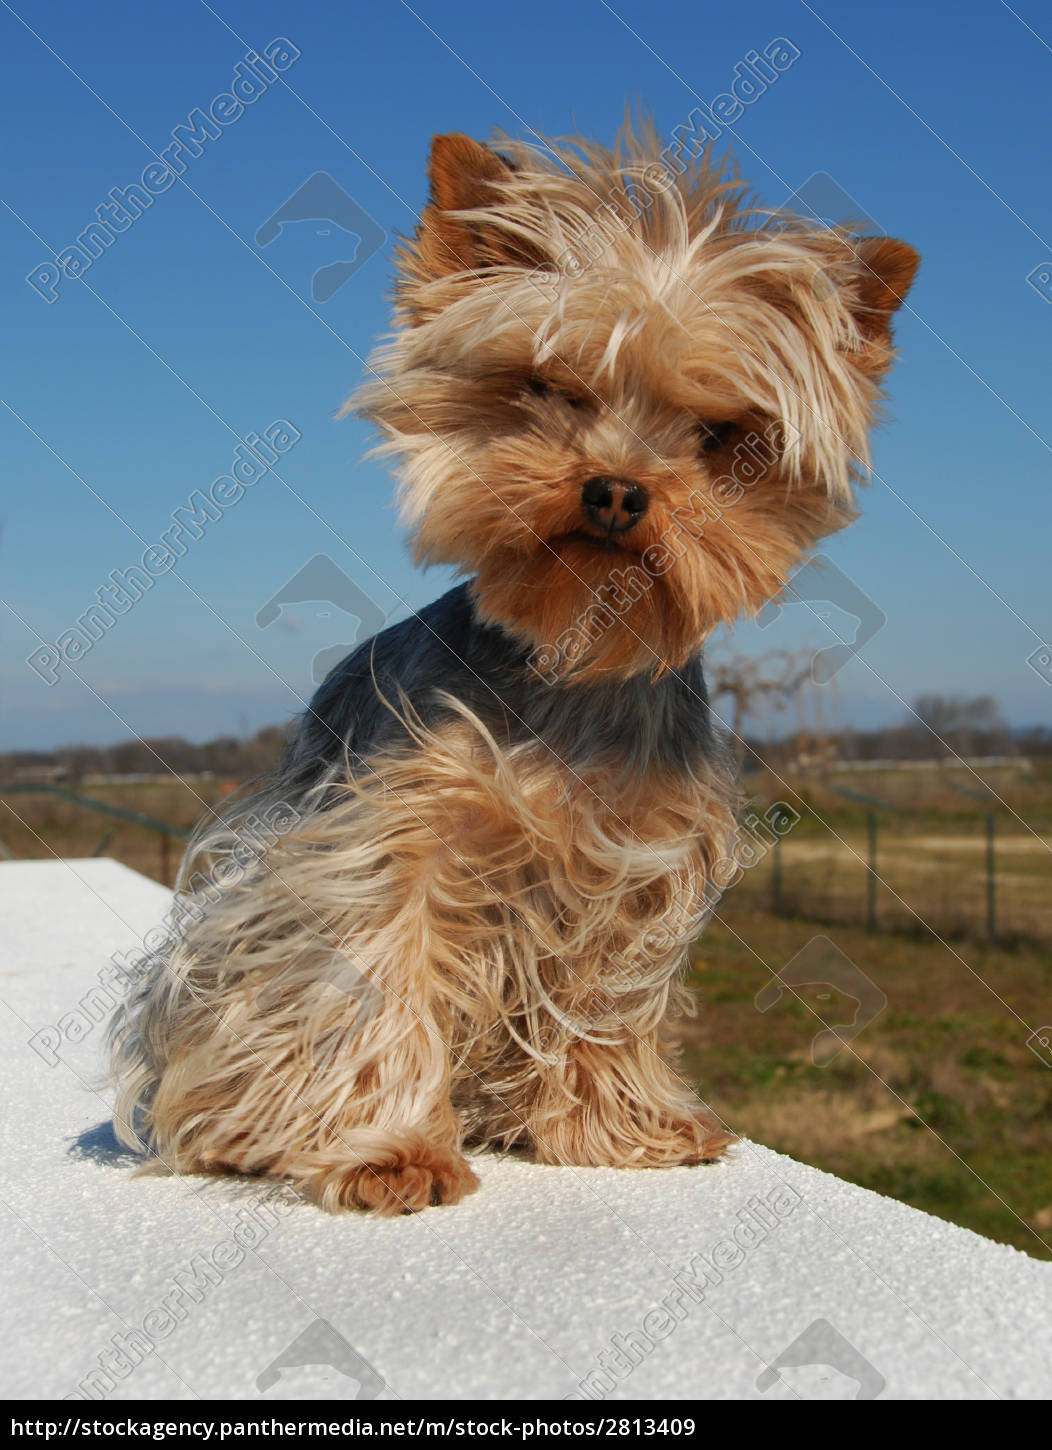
625, 403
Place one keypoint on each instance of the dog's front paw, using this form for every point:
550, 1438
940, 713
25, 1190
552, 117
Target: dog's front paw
695, 1139
410, 1178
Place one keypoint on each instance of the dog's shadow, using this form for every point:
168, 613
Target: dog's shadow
101, 1145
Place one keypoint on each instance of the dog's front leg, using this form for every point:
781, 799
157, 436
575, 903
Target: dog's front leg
621, 1105
606, 1090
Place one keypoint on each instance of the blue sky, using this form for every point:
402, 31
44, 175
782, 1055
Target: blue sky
934, 120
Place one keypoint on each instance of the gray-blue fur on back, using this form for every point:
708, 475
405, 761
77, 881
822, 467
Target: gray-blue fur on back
446, 650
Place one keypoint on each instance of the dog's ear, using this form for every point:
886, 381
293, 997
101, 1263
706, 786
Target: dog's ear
461, 172
460, 228
885, 269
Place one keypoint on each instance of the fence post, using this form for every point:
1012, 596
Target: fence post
991, 877
776, 875
871, 882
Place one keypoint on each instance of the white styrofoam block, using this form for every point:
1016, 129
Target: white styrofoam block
681, 1285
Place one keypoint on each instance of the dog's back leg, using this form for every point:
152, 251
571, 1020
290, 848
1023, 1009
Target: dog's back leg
298, 1028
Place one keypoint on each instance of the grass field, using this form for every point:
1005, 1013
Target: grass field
940, 1103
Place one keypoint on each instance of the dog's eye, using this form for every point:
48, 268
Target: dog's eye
714, 436
540, 389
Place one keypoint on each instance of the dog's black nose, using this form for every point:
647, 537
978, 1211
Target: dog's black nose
614, 505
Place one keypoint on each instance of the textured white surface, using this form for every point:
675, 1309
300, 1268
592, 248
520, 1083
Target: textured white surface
512, 1295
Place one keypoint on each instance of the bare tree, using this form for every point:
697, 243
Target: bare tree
954, 724
747, 681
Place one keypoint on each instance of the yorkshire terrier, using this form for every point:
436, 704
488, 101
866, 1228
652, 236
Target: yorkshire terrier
626, 403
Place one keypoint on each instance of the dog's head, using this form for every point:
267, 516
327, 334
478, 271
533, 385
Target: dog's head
615, 386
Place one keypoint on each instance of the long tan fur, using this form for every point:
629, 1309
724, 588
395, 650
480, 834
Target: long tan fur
499, 1015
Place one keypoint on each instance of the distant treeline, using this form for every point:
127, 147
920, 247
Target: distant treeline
939, 726
226, 757
936, 727
908, 744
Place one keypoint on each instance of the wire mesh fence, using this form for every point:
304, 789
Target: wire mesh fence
987, 876
894, 851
